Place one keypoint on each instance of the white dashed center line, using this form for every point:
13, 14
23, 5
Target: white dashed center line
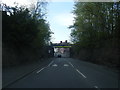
40, 70
54, 65
95, 86
81, 73
66, 65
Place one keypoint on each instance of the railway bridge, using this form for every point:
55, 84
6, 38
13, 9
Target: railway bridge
63, 49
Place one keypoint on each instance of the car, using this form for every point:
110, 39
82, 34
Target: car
59, 56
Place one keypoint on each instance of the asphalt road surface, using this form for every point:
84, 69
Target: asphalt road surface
69, 73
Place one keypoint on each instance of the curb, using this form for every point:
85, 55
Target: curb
17, 79
20, 77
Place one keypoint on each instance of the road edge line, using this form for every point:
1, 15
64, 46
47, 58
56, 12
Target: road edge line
81, 73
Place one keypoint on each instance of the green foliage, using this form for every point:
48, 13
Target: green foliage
95, 22
96, 32
21, 29
44, 34
24, 35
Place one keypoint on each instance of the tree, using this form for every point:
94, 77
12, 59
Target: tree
24, 35
94, 22
96, 33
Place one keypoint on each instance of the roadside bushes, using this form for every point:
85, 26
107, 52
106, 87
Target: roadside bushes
96, 32
23, 35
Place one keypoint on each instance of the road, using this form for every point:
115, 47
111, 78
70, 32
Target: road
69, 73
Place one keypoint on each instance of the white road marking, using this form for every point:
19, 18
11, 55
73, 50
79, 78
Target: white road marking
50, 63
54, 65
66, 65
96, 86
81, 73
71, 64
40, 70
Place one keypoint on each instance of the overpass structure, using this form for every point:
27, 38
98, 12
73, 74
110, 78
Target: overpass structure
62, 48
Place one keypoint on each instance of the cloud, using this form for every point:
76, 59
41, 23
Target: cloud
61, 0
64, 19
21, 2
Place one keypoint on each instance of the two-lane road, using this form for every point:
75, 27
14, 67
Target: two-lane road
69, 73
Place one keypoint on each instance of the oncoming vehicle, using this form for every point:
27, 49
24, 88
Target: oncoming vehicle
59, 56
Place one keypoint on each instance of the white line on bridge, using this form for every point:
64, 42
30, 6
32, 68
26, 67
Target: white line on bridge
40, 70
81, 73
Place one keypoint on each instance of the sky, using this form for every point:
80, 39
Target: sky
59, 15
60, 18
